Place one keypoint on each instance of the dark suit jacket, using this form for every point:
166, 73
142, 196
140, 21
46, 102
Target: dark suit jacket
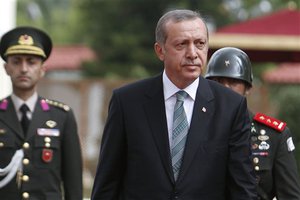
135, 162
52, 156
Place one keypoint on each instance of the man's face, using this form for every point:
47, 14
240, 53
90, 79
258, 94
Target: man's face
24, 71
185, 51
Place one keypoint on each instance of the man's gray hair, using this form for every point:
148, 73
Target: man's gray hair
174, 16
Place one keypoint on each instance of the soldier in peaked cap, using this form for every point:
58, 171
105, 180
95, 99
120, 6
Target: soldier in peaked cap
39, 144
271, 140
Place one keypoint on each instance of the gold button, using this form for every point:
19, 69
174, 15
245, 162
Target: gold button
47, 139
25, 161
25, 195
25, 178
256, 168
256, 160
26, 145
1, 144
47, 145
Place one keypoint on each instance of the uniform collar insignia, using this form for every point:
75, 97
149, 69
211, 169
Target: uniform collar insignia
44, 105
4, 104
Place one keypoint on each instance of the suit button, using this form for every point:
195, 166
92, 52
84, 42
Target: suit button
25, 178
1, 144
26, 145
47, 144
26, 161
256, 168
25, 195
47, 139
255, 160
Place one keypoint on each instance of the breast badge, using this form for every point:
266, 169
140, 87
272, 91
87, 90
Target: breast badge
264, 146
47, 155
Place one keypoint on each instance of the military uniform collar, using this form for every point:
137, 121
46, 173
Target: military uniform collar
31, 101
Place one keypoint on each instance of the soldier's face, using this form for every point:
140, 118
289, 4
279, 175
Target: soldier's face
25, 71
236, 85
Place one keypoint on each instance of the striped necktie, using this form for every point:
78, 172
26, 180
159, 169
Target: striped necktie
179, 132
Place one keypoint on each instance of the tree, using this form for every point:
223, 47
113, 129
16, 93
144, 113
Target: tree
122, 32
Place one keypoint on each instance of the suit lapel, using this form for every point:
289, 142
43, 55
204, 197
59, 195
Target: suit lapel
201, 118
9, 117
155, 111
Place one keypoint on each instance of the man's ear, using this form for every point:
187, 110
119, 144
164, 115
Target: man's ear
6, 69
43, 70
247, 91
159, 51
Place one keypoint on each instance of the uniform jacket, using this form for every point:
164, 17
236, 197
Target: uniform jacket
274, 162
135, 160
52, 155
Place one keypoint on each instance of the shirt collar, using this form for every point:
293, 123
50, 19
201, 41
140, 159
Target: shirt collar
18, 102
170, 89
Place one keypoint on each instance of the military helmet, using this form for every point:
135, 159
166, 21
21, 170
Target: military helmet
230, 62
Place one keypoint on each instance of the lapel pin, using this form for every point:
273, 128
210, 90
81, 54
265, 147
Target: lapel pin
203, 109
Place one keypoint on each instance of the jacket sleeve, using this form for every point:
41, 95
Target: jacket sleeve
71, 160
112, 163
286, 176
242, 183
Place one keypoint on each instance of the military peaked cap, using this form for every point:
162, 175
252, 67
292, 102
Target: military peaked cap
25, 40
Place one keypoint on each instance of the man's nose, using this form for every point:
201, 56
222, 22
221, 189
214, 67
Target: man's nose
192, 52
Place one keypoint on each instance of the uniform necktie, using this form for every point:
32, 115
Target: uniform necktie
179, 132
24, 120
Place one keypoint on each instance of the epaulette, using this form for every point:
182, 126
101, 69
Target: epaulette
269, 121
58, 104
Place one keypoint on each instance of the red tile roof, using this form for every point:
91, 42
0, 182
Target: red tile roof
286, 73
270, 38
282, 22
69, 57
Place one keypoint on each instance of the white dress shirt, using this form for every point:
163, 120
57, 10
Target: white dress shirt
30, 103
170, 91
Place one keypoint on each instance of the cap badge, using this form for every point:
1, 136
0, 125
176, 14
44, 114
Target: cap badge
25, 40
227, 63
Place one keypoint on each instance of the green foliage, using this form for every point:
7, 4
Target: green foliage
287, 100
57, 17
120, 31
123, 32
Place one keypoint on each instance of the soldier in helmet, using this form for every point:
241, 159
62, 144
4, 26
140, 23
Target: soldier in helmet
271, 141
40, 154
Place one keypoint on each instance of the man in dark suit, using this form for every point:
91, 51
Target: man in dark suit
39, 145
271, 140
176, 135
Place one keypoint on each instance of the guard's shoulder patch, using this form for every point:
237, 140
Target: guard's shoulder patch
269, 121
57, 104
